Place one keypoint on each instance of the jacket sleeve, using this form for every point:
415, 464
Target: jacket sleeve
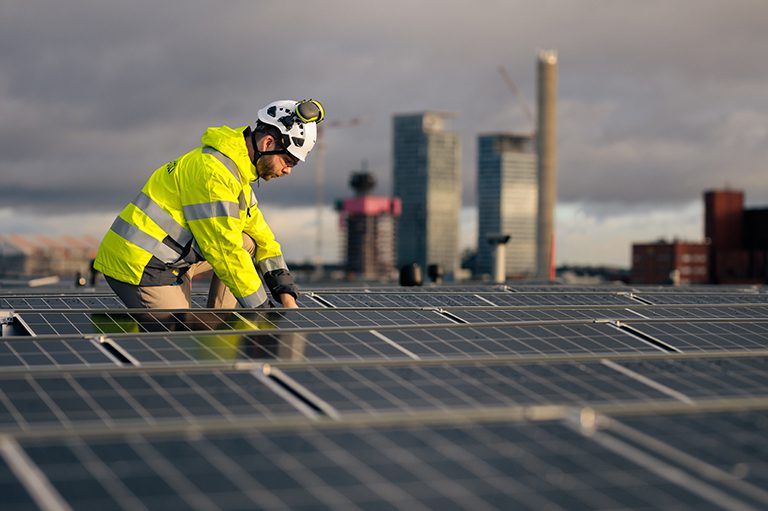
269, 257
210, 200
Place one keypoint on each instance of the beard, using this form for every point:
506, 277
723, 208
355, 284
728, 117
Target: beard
263, 170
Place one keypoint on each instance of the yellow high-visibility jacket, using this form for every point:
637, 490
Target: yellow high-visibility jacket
196, 208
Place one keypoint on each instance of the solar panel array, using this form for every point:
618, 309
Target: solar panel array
456, 397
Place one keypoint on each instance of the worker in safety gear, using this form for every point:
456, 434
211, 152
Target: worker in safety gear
198, 212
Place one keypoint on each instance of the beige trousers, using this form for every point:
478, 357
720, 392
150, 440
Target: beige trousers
179, 296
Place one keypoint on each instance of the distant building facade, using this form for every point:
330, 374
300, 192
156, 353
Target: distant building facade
675, 262
427, 179
368, 224
507, 193
738, 239
42, 256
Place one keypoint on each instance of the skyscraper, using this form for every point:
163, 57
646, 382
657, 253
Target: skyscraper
507, 193
427, 179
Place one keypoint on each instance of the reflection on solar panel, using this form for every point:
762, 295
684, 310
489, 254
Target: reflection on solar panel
118, 322
287, 345
469, 397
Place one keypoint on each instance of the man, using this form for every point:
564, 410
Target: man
198, 212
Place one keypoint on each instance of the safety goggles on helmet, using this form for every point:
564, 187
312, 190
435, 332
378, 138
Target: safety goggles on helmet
306, 110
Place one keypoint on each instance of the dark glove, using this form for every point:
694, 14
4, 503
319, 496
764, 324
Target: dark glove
281, 281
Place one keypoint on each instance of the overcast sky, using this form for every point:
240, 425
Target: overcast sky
658, 101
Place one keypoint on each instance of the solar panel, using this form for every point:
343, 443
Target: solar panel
695, 298
403, 299
474, 466
388, 397
96, 301
728, 446
458, 341
375, 389
15, 495
544, 299
550, 339
702, 311
70, 400
543, 314
57, 352
708, 335
707, 377
79, 301
71, 322
426, 289
234, 347
436, 299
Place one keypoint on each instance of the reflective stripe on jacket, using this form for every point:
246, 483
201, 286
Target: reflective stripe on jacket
191, 209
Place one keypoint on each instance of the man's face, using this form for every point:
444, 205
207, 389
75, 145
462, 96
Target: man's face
274, 165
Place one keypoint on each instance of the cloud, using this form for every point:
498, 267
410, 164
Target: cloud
657, 100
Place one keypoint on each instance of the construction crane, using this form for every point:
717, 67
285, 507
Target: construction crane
520, 99
319, 157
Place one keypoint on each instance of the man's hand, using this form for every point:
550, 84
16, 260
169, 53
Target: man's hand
289, 302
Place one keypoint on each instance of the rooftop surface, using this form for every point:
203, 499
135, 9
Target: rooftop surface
474, 397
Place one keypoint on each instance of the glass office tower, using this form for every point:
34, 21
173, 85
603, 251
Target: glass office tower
427, 179
507, 194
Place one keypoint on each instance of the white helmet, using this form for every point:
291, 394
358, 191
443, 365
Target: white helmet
297, 122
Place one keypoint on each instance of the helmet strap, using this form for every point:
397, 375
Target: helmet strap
258, 154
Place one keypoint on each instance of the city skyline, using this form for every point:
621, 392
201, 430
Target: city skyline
657, 102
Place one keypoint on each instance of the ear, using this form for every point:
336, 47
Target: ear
266, 142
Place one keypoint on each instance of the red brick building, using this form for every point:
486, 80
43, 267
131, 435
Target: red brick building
738, 239
675, 262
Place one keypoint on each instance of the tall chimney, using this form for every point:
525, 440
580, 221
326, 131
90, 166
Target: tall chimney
546, 147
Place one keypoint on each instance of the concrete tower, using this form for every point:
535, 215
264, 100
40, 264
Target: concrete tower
546, 147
